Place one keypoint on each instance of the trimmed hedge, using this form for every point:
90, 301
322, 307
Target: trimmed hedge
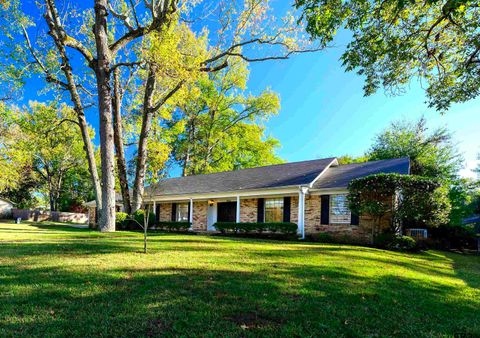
174, 226
286, 228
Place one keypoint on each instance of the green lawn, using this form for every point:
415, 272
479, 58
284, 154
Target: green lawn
60, 281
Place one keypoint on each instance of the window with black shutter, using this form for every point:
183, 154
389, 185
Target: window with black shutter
325, 209
174, 212
355, 219
157, 212
286, 209
260, 210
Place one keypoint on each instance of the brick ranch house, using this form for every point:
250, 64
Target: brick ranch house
312, 194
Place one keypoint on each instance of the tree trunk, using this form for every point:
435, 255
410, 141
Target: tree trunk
147, 116
51, 16
118, 138
102, 70
92, 163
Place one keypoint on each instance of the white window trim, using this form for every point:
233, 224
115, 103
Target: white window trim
177, 213
265, 207
330, 212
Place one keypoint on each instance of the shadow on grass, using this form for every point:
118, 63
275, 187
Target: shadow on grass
269, 291
283, 300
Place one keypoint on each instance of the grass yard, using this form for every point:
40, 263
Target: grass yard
61, 281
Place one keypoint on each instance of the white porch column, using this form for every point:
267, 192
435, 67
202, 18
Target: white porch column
301, 211
154, 208
238, 210
190, 217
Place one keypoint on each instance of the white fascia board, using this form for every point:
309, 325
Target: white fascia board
334, 163
231, 194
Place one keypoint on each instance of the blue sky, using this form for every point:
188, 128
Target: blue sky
324, 112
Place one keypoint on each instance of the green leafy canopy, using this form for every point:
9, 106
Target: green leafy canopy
436, 41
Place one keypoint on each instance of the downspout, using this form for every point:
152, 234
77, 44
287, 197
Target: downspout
301, 210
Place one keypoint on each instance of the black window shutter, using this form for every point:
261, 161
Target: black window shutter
189, 211
157, 212
174, 212
354, 219
325, 213
286, 209
260, 210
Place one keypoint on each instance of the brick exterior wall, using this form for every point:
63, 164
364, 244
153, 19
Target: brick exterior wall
312, 213
313, 226
361, 233
294, 209
165, 212
199, 216
248, 210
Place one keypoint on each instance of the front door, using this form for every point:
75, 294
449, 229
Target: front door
211, 216
227, 212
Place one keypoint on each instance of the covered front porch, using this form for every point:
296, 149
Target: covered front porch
204, 211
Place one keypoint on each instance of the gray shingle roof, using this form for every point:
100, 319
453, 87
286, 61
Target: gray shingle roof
273, 176
340, 176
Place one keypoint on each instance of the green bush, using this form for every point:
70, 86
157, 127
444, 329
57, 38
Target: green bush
395, 242
285, 228
174, 226
323, 237
447, 237
138, 216
403, 243
121, 222
384, 239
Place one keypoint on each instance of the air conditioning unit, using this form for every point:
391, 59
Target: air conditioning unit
417, 233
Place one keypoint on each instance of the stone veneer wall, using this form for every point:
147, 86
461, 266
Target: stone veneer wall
165, 212
248, 210
199, 216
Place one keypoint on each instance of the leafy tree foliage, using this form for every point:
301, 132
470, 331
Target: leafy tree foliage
220, 126
159, 47
15, 165
392, 42
477, 169
54, 149
411, 200
464, 196
432, 154
348, 159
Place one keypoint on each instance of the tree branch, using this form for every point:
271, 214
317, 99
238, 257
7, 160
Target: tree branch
160, 103
49, 77
62, 35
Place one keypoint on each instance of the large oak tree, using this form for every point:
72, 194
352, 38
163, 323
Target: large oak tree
93, 49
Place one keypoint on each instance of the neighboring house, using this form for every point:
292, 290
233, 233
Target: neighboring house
312, 194
5, 208
92, 209
474, 221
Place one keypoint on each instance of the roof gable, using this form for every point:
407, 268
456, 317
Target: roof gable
340, 176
